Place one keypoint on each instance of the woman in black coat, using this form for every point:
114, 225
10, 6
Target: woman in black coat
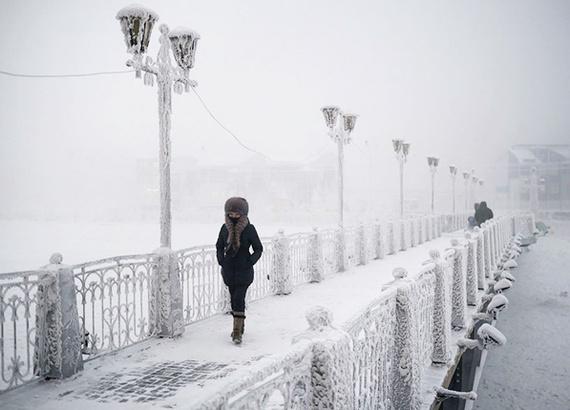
236, 236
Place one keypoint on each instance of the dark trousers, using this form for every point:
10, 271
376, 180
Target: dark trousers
237, 293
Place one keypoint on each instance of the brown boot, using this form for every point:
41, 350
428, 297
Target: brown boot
238, 327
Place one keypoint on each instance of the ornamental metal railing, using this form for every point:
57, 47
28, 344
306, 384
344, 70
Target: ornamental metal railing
17, 327
392, 341
113, 302
113, 294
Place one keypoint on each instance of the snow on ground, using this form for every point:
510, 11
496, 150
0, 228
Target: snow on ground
27, 244
270, 325
533, 370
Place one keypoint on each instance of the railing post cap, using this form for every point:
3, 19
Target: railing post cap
399, 273
319, 318
434, 254
56, 258
55, 263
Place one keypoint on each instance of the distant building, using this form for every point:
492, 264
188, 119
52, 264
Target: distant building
274, 186
552, 163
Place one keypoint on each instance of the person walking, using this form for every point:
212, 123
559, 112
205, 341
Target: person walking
483, 213
236, 237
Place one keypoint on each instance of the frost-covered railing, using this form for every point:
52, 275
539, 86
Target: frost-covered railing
113, 301
114, 295
17, 327
377, 359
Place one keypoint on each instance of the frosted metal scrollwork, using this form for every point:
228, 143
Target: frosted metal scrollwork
458, 300
441, 317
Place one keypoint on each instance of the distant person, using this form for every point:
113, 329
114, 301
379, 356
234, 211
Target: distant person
483, 213
236, 236
471, 222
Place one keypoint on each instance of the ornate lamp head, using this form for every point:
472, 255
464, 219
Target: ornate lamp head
183, 43
433, 162
398, 145
331, 114
406, 148
349, 121
466, 175
453, 170
474, 179
136, 24
481, 182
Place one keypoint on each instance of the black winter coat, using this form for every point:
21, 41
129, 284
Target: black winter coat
483, 214
238, 269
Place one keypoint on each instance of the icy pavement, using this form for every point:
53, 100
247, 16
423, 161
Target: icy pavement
178, 373
533, 370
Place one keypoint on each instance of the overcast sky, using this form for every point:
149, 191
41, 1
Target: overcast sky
462, 80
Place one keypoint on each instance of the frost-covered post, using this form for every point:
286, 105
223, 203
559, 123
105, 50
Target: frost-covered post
391, 241
57, 352
471, 279
420, 230
453, 173
405, 368
441, 317
282, 283
487, 254
331, 365
316, 268
428, 228
481, 282
362, 251
458, 295
378, 241
403, 244
433, 163
340, 250
165, 303
412, 232
137, 23
496, 243
339, 129
402, 150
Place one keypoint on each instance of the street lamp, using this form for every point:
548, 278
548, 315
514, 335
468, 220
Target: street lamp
474, 181
340, 127
433, 162
402, 149
453, 173
466, 177
137, 23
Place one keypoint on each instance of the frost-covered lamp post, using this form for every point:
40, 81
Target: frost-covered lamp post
453, 173
474, 181
402, 149
137, 23
433, 162
340, 127
466, 177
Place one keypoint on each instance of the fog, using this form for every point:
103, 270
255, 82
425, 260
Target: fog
460, 80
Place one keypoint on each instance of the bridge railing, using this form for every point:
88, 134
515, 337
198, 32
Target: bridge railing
114, 294
378, 358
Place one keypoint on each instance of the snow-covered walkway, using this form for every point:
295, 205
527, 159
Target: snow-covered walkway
182, 372
533, 370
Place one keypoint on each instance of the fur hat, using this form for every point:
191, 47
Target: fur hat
237, 204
